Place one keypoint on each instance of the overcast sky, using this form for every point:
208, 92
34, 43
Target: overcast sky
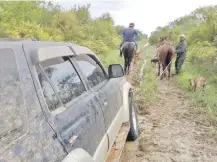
146, 14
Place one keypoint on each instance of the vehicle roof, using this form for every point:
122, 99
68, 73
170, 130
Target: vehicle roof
33, 46
17, 39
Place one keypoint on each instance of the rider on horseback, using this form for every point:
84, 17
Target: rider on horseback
128, 36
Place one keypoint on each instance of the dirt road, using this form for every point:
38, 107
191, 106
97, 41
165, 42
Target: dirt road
172, 132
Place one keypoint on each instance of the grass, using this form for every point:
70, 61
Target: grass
111, 57
145, 93
204, 102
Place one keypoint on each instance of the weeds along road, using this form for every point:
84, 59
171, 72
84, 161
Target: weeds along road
171, 130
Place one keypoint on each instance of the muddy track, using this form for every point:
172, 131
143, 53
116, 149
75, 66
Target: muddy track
172, 132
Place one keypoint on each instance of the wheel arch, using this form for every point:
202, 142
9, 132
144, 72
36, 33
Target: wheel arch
78, 155
127, 89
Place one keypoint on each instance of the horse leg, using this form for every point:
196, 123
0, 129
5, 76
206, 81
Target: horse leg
125, 68
169, 68
128, 68
163, 74
125, 64
158, 69
129, 63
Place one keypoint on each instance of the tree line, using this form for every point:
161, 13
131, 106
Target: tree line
200, 28
48, 21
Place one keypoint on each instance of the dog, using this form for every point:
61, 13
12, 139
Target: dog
197, 82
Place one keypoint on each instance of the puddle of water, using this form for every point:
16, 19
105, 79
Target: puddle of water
131, 146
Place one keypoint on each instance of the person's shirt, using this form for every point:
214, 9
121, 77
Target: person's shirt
130, 34
181, 47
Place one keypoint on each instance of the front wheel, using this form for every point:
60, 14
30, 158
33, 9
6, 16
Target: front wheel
134, 127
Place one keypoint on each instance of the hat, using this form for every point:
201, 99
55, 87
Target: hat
132, 24
182, 35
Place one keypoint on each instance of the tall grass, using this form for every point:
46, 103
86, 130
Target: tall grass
145, 93
113, 57
202, 101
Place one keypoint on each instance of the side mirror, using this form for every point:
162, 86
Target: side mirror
115, 71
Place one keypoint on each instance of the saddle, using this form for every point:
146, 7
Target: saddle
128, 43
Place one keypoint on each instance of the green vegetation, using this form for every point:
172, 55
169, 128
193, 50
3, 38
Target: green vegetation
47, 21
145, 93
200, 28
111, 57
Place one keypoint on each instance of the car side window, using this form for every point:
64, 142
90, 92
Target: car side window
12, 108
49, 94
65, 80
91, 69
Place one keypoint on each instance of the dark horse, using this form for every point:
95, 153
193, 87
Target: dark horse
128, 50
165, 54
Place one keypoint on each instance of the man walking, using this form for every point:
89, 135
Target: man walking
181, 50
129, 36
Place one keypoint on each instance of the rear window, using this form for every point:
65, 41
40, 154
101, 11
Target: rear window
12, 112
65, 80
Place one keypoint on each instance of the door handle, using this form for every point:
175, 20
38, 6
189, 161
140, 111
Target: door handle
73, 139
105, 104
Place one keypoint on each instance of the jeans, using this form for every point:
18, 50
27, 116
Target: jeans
126, 41
180, 58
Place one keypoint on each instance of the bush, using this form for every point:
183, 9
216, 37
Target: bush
200, 27
46, 21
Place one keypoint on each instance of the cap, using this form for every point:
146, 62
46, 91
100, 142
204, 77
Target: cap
132, 25
182, 35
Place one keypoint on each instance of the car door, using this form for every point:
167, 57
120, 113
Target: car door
104, 90
74, 112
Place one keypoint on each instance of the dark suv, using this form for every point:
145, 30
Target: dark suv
58, 103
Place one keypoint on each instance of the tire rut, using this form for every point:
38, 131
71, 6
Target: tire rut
171, 132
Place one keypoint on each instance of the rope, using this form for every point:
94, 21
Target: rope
157, 77
164, 69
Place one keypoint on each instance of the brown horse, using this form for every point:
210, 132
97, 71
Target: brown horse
165, 54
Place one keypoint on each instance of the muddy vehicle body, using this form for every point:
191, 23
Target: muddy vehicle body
58, 103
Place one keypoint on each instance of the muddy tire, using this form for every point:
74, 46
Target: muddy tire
134, 127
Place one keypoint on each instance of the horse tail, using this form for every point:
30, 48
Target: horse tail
125, 50
169, 56
130, 48
125, 53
